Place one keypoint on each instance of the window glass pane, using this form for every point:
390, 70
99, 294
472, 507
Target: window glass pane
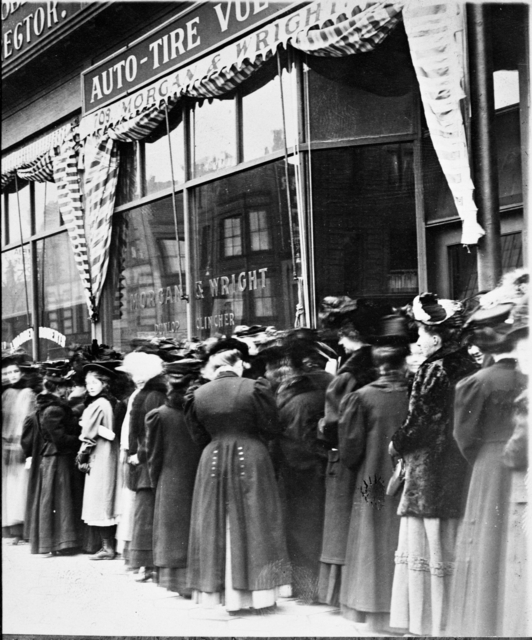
157, 161
262, 113
214, 130
23, 199
61, 296
47, 215
508, 140
439, 201
365, 222
16, 298
146, 269
127, 186
242, 287
341, 109
463, 264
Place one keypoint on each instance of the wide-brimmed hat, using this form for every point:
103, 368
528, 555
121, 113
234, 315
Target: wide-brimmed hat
519, 326
183, 367
105, 367
348, 315
138, 362
488, 317
430, 310
228, 344
392, 331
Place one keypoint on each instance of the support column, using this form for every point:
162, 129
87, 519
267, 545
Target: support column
483, 144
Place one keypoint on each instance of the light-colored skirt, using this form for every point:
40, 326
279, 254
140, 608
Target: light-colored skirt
235, 599
423, 571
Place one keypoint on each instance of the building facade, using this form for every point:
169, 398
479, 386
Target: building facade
153, 185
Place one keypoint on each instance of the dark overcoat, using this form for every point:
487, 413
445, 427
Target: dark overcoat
303, 462
436, 472
173, 459
235, 487
483, 425
370, 416
339, 479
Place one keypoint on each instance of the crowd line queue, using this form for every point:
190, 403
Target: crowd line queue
390, 481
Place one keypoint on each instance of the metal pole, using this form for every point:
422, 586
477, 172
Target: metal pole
484, 147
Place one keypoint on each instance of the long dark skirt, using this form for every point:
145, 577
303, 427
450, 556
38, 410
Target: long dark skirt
58, 518
141, 547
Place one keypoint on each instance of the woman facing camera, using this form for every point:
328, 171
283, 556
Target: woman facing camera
237, 550
98, 456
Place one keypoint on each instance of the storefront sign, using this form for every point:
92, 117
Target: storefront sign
44, 332
185, 37
25, 24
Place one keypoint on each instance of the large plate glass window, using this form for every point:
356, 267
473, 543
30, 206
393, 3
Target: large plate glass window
243, 259
62, 301
365, 222
16, 298
145, 266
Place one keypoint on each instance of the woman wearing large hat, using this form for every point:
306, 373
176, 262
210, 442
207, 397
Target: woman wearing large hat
431, 502
98, 455
482, 595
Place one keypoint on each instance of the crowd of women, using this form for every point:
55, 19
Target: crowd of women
377, 465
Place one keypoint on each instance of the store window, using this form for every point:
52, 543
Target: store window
47, 216
17, 294
18, 213
157, 166
62, 302
144, 275
262, 115
214, 135
463, 264
365, 222
247, 278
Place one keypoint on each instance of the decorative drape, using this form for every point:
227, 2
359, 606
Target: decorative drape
339, 28
434, 30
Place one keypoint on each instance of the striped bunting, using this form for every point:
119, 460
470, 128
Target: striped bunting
361, 31
100, 190
435, 34
40, 170
66, 176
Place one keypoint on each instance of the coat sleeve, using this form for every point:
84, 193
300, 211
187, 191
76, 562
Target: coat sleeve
352, 431
343, 384
468, 407
154, 400
28, 435
197, 431
423, 422
154, 445
268, 422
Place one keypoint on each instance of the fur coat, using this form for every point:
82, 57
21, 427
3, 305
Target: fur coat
435, 470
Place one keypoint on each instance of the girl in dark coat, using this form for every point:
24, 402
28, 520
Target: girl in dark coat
484, 408
172, 463
435, 472
237, 548
56, 524
303, 461
146, 371
369, 418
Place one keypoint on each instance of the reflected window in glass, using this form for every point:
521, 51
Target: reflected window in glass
258, 230
214, 135
16, 295
47, 217
19, 212
232, 236
157, 165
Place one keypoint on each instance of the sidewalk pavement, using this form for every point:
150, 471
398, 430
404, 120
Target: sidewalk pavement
76, 596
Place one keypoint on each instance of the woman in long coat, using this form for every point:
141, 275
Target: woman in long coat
173, 459
369, 418
303, 462
484, 408
354, 322
435, 472
18, 401
55, 525
98, 455
146, 371
237, 548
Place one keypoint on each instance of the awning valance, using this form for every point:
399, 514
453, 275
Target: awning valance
324, 27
